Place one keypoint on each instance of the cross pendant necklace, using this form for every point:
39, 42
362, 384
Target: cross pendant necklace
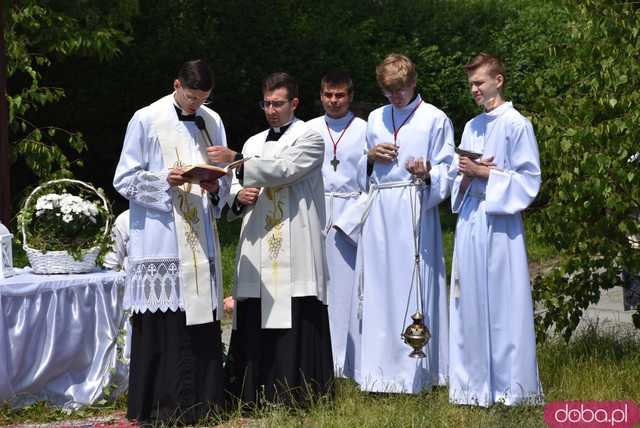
335, 161
393, 121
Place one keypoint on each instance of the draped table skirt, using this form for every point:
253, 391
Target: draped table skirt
62, 338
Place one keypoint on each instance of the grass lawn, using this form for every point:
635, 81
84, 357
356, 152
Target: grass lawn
596, 365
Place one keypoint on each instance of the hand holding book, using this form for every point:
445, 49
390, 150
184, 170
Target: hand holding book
480, 168
468, 154
206, 172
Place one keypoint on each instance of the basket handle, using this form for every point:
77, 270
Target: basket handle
105, 203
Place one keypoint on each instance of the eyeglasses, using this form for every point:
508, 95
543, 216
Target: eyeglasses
197, 100
275, 104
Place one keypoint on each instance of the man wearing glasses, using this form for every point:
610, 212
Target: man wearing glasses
174, 281
410, 147
280, 347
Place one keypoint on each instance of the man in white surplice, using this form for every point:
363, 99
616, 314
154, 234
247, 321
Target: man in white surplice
492, 342
174, 279
280, 347
344, 139
410, 147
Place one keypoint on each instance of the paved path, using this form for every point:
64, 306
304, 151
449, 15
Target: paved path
608, 312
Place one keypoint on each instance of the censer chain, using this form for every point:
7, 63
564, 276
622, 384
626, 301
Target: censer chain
415, 277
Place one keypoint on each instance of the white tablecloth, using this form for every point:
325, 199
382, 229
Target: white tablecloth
62, 338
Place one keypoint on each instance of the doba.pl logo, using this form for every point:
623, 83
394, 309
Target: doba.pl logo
596, 414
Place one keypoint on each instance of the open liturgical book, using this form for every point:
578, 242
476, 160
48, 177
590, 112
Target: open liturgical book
206, 172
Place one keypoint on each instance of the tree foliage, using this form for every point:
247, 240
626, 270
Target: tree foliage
38, 34
580, 83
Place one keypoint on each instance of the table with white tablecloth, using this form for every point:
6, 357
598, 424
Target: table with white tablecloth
62, 338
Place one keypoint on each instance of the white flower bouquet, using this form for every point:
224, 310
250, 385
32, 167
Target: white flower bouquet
65, 232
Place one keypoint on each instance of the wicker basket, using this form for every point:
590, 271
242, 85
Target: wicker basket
49, 262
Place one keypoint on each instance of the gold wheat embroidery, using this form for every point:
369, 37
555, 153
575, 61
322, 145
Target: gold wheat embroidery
190, 215
273, 225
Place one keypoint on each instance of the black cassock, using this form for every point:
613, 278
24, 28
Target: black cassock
289, 366
175, 374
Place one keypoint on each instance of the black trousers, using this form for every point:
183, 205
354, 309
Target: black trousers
175, 373
290, 366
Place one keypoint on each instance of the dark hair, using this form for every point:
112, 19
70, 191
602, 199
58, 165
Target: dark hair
337, 77
494, 64
196, 74
281, 80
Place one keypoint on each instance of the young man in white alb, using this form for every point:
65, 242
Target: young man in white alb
492, 343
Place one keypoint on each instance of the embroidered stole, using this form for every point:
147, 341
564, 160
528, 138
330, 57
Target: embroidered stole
273, 211
189, 217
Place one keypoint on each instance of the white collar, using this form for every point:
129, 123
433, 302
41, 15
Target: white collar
499, 110
409, 107
339, 122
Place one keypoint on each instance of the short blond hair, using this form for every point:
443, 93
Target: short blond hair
396, 72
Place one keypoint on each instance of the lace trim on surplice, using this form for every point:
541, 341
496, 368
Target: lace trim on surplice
154, 284
149, 189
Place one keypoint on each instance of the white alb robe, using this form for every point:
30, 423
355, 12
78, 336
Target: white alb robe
117, 257
289, 173
153, 277
376, 353
492, 344
342, 186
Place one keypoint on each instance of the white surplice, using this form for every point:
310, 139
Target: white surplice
492, 343
153, 277
281, 252
117, 257
342, 186
376, 354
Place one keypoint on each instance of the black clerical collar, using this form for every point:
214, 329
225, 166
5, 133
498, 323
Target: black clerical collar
184, 117
275, 133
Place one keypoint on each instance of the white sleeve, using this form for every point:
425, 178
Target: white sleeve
235, 188
455, 179
363, 178
441, 157
513, 188
133, 180
293, 163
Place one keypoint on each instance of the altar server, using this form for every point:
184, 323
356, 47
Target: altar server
117, 257
280, 348
492, 342
410, 148
343, 173
174, 278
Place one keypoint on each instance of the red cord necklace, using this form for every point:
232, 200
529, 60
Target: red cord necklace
335, 160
